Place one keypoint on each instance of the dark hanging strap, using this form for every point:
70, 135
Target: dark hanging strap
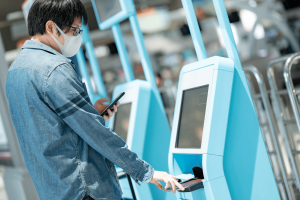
131, 187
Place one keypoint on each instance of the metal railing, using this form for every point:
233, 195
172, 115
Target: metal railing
285, 118
270, 131
290, 86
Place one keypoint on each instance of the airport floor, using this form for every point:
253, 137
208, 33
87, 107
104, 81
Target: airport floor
3, 195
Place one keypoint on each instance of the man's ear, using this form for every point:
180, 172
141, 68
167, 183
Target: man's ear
50, 27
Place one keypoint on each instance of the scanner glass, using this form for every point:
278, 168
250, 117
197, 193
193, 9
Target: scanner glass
107, 8
191, 118
121, 123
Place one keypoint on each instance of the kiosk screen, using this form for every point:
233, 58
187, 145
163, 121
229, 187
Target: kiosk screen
121, 123
191, 118
107, 8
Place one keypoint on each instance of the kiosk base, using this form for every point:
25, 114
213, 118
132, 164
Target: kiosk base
18, 184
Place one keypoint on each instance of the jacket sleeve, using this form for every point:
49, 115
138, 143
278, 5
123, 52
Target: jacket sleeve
66, 96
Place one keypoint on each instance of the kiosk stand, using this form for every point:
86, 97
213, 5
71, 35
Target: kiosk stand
86, 40
215, 125
141, 119
18, 183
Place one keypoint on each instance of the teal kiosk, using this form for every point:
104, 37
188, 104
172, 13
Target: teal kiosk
216, 128
141, 119
99, 90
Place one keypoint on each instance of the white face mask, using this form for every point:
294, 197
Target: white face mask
71, 46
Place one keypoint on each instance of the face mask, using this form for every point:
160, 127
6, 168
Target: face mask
71, 46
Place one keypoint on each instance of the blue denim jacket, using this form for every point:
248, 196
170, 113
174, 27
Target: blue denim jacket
67, 149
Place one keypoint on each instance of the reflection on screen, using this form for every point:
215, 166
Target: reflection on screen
107, 8
121, 123
191, 118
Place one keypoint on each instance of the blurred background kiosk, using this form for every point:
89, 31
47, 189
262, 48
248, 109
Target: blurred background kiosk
94, 83
215, 125
18, 183
141, 119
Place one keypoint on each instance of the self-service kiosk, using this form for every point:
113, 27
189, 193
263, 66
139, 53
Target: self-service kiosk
215, 126
141, 120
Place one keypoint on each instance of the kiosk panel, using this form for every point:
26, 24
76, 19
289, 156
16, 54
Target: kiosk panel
192, 115
107, 9
121, 123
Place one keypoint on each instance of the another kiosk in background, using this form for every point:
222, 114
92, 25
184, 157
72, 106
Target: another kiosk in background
121, 123
99, 91
141, 119
216, 127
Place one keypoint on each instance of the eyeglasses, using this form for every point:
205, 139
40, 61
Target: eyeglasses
77, 31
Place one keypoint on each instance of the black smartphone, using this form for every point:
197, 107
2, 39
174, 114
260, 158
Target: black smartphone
114, 102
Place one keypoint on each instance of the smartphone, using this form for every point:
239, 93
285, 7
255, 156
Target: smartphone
114, 102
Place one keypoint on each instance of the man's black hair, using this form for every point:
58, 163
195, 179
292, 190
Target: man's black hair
61, 12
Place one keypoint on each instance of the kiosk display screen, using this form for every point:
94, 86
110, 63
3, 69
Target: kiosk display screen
191, 118
121, 123
107, 8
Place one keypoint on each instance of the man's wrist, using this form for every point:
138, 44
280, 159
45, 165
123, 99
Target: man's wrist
148, 174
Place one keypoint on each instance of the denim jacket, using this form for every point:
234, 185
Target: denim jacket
68, 150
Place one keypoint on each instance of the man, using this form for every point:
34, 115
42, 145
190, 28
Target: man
68, 151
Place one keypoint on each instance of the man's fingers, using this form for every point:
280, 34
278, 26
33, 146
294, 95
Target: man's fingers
102, 100
115, 109
173, 186
158, 185
106, 118
109, 113
118, 103
179, 186
167, 184
170, 181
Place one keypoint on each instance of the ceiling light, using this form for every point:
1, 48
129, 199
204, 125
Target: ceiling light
154, 20
259, 32
248, 19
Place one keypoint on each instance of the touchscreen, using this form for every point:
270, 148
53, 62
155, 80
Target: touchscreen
107, 8
191, 118
121, 123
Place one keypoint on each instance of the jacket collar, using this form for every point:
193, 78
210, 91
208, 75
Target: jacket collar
31, 44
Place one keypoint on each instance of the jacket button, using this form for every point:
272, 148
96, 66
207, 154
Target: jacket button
128, 171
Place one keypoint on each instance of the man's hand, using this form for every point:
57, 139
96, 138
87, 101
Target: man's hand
99, 106
168, 179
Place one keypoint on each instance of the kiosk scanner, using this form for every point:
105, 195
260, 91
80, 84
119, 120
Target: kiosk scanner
141, 119
191, 184
215, 125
